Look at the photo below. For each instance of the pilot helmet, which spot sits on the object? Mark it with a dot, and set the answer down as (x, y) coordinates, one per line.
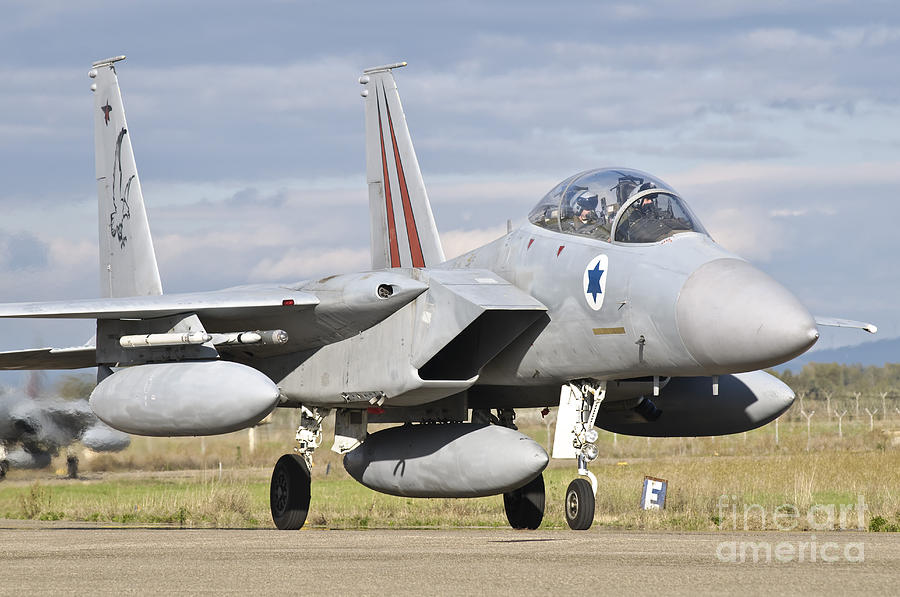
(645, 187)
(584, 202)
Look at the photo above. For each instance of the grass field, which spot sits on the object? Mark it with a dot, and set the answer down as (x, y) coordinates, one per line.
(223, 482)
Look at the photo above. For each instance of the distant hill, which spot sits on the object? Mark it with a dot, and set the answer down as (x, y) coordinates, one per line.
(870, 353)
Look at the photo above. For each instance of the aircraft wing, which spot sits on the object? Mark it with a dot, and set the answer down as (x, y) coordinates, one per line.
(245, 303)
(224, 304)
(308, 315)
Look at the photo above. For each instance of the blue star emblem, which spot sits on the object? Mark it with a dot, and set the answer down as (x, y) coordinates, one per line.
(593, 287)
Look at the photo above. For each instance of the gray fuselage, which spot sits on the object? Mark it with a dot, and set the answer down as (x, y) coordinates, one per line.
(638, 330)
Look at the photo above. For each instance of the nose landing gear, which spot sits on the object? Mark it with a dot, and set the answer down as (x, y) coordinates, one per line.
(575, 436)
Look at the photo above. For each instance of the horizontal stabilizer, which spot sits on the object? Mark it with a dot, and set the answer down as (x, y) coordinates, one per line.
(226, 304)
(78, 357)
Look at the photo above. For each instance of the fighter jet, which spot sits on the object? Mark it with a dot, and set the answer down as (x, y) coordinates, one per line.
(612, 301)
(33, 429)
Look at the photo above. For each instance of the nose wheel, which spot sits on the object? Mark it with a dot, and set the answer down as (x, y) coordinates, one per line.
(525, 506)
(580, 505)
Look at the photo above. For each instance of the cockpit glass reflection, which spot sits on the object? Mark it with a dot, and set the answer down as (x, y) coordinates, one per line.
(588, 204)
(652, 218)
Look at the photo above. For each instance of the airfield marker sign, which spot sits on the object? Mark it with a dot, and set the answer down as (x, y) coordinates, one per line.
(653, 496)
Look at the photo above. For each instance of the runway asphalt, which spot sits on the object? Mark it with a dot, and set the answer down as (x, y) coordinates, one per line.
(44, 558)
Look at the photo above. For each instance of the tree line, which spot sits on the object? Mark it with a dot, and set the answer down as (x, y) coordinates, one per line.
(818, 381)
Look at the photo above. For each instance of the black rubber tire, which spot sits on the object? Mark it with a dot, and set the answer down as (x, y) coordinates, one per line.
(579, 506)
(289, 492)
(525, 506)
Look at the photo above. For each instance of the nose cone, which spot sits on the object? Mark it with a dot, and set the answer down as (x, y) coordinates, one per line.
(732, 317)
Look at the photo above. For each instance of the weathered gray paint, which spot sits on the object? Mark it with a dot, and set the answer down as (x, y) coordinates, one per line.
(731, 314)
(643, 287)
(414, 334)
(450, 460)
(127, 259)
(745, 401)
(172, 399)
(386, 131)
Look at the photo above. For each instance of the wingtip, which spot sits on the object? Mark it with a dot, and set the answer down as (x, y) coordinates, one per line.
(846, 323)
(385, 67)
(107, 61)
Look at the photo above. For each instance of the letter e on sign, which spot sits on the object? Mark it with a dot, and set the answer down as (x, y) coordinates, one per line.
(653, 497)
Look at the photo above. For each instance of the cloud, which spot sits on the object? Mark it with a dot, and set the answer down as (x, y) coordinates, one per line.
(23, 251)
(775, 120)
(839, 39)
(750, 234)
(457, 242)
(72, 254)
(788, 213)
(298, 264)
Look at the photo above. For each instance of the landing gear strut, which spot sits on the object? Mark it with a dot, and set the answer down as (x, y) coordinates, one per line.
(289, 492)
(585, 399)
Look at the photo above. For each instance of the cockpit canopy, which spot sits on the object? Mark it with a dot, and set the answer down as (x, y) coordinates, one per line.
(627, 206)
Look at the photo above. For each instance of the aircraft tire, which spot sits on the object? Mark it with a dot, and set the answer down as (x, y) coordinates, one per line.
(525, 506)
(289, 492)
(579, 506)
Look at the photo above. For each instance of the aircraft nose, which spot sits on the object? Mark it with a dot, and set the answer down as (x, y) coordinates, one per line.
(732, 317)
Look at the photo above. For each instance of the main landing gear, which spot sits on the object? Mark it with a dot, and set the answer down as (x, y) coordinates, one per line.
(524, 506)
(289, 492)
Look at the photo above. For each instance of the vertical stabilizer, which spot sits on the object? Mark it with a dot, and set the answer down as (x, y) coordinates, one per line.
(402, 225)
(127, 260)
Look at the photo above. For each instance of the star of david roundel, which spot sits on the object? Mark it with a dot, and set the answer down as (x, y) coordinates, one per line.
(595, 281)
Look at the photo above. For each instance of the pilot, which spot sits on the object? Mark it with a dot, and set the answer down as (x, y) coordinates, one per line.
(641, 223)
(647, 202)
(584, 214)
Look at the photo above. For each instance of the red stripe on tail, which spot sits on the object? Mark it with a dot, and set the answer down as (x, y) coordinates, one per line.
(392, 229)
(415, 247)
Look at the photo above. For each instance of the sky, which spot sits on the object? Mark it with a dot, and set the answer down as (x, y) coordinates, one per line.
(776, 121)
